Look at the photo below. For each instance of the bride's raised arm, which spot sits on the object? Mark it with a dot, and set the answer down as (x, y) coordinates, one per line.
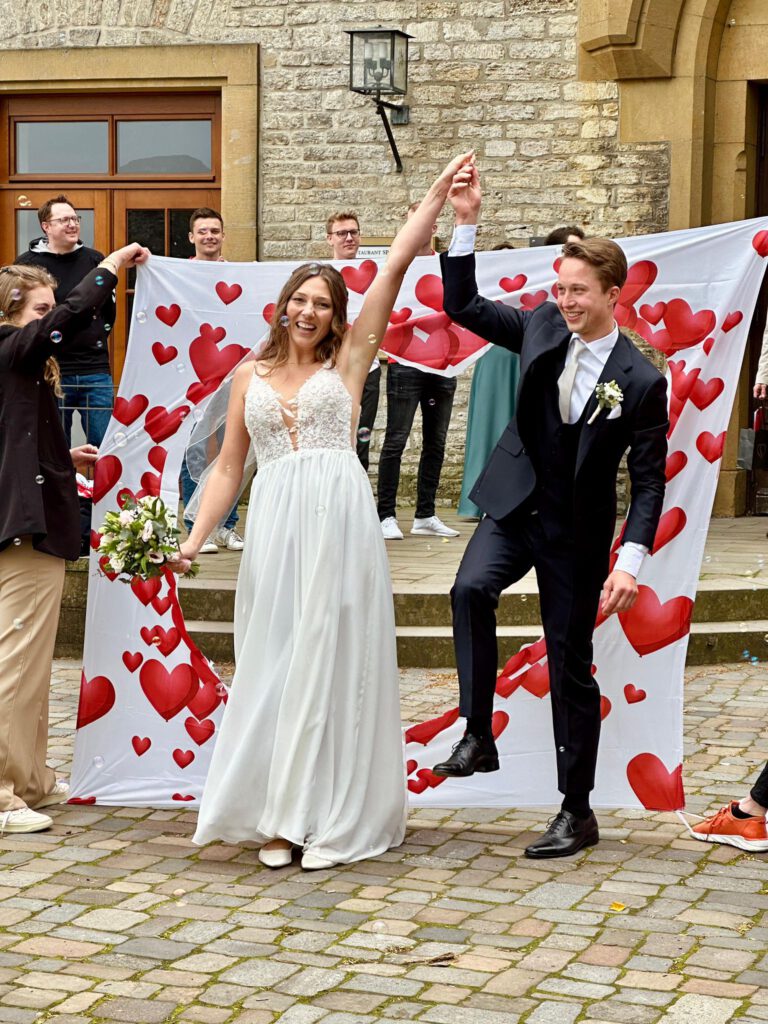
(369, 327)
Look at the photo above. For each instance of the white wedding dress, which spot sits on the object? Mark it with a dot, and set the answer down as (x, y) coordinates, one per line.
(310, 747)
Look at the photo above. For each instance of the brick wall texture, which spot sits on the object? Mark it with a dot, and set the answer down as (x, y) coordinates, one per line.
(498, 75)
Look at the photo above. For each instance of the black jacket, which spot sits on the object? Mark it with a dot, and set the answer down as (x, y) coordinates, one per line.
(88, 351)
(510, 477)
(32, 441)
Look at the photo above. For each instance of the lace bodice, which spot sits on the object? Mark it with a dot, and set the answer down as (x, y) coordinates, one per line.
(320, 416)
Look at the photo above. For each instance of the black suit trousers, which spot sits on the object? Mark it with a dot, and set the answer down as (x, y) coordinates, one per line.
(569, 580)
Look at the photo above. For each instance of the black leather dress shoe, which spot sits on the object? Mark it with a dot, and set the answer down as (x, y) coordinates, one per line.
(566, 835)
(471, 754)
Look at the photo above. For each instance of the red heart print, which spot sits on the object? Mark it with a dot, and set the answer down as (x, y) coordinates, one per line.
(150, 485)
(429, 292)
(670, 525)
(95, 540)
(676, 462)
(711, 446)
(411, 766)
(684, 327)
(200, 731)
(105, 571)
(197, 392)
(359, 279)
(82, 800)
(655, 787)
(123, 495)
(707, 346)
(268, 312)
(105, 475)
(210, 333)
(145, 590)
(653, 314)
(168, 314)
(126, 410)
(211, 363)
(167, 692)
(141, 744)
(417, 785)
(532, 301)
(732, 320)
(162, 604)
(499, 723)
(632, 695)
(682, 383)
(425, 732)
(97, 698)
(640, 277)
(428, 776)
(185, 797)
(160, 423)
(513, 284)
(228, 292)
(605, 708)
(166, 641)
(525, 656)
(650, 625)
(157, 457)
(556, 264)
(760, 243)
(132, 660)
(536, 680)
(183, 758)
(505, 687)
(399, 316)
(704, 393)
(205, 699)
(164, 353)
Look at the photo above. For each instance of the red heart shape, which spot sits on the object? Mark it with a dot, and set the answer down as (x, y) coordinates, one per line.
(732, 320)
(429, 292)
(536, 680)
(103, 563)
(197, 392)
(525, 656)
(268, 312)
(640, 277)
(123, 495)
(760, 243)
(499, 723)
(160, 423)
(676, 462)
(707, 346)
(711, 446)
(399, 316)
(150, 485)
(167, 692)
(106, 474)
(417, 785)
(228, 292)
(157, 457)
(162, 604)
(141, 744)
(705, 392)
(82, 800)
(532, 301)
(212, 363)
(205, 699)
(164, 353)
(200, 731)
(145, 590)
(655, 787)
(95, 540)
(632, 695)
(210, 333)
(513, 284)
(183, 758)
(684, 327)
(126, 410)
(425, 732)
(653, 314)
(132, 661)
(97, 698)
(670, 525)
(359, 279)
(683, 383)
(605, 708)
(168, 314)
(650, 625)
(411, 766)
(183, 796)
(166, 641)
(505, 687)
(428, 776)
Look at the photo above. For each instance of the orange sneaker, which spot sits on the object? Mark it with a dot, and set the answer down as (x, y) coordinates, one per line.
(723, 827)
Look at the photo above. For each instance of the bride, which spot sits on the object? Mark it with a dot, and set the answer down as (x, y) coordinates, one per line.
(309, 752)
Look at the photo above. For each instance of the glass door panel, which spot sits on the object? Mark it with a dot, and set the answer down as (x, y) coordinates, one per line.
(18, 207)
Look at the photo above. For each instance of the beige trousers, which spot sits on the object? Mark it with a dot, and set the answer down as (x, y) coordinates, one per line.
(31, 584)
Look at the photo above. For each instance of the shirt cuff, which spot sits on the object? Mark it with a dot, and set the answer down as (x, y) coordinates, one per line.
(463, 240)
(630, 558)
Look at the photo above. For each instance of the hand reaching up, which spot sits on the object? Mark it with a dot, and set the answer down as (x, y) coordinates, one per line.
(465, 195)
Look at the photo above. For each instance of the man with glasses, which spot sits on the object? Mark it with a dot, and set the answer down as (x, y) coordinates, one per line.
(342, 232)
(85, 374)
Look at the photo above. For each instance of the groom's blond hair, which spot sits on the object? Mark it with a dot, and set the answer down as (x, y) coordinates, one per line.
(607, 258)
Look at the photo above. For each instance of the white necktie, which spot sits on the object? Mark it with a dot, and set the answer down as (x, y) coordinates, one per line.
(566, 379)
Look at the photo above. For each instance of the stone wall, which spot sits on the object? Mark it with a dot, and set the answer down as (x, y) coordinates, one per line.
(496, 75)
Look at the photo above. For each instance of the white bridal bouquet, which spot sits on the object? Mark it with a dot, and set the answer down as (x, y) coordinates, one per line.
(139, 539)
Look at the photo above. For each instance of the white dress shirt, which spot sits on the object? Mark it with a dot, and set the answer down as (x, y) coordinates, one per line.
(591, 364)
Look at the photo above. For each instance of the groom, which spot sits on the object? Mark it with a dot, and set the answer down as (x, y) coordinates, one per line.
(549, 497)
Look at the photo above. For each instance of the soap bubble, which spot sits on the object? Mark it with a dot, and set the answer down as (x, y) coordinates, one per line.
(179, 892)
(17, 542)
(380, 926)
(55, 337)
(98, 762)
(320, 510)
(221, 690)
(39, 479)
(18, 623)
(24, 201)
(16, 294)
(431, 402)
(364, 435)
(99, 279)
(523, 597)
(313, 268)
(180, 367)
(141, 316)
(107, 328)
(372, 339)
(120, 439)
(284, 320)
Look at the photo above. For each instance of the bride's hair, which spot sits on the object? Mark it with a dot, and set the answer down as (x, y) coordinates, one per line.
(16, 282)
(275, 350)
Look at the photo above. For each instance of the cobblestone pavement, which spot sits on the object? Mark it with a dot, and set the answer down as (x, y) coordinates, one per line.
(113, 915)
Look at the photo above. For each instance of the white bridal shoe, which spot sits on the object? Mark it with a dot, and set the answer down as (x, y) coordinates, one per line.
(311, 862)
(276, 857)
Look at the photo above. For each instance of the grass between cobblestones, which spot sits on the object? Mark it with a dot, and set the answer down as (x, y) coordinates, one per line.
(115, 916)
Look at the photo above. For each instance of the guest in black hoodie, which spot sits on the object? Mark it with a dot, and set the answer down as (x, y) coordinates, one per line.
(86, 381)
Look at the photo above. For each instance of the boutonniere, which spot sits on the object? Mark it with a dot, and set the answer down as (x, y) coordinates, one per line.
(609, 396)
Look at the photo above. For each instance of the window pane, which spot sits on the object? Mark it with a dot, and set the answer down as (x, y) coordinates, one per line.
(164, 147)
(62, 147)
(147, 227)
(28, 227)
(181, 246)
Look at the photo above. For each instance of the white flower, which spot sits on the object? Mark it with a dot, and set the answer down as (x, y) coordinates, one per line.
(105, 540)
(156, 557)
(608, 395)
(116, 563)
(147, 532)
(125, 517)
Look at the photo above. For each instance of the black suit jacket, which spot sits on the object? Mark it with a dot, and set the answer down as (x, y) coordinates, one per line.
(510, 477)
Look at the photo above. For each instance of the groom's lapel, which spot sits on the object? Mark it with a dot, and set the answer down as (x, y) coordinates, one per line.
(618, 367)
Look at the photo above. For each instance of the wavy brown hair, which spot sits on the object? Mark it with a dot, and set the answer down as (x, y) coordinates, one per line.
(275, 350)
(16, 282)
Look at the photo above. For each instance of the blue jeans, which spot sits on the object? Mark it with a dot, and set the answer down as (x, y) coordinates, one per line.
(188, 486)
(91, 394)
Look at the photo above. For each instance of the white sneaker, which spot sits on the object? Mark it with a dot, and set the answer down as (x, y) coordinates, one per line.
(23, 820)
(432, 526)
(58, 795)
(210, 547)
(229, 539)
(390, 529)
